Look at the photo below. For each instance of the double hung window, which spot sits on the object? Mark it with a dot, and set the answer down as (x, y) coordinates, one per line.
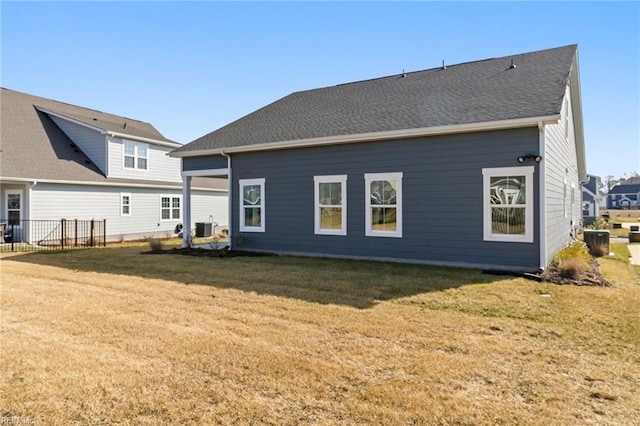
(169, 208)
(252, 205)
(330, 193)
(383, 199)
(135, 155)
(508, 204)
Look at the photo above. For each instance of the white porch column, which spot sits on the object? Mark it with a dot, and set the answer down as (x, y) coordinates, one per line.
(186, 220)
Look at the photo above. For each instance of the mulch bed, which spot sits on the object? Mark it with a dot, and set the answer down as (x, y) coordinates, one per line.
(592, 277)
(201, 252)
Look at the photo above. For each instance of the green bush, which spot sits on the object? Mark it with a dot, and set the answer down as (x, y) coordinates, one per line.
(573, 250)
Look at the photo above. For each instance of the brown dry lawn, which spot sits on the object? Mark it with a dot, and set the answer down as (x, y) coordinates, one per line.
(112, 336)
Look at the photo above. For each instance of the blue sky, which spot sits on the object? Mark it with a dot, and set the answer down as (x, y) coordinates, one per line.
(192, 67)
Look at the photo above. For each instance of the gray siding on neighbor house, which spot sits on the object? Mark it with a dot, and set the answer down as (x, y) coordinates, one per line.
(91, 142)
(562, 212)
(442, 198)
(206, 162)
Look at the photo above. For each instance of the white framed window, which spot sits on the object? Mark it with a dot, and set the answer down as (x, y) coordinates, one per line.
(14, 207)
(508, 204)
(383, 204)
(330, 205)
(169, 208)
(125, 204)
(252, 205)
(135, 155)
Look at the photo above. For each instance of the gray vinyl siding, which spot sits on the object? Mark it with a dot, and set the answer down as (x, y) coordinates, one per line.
(442, 198)
(91, 142)
(560, 158)
(206, 162)
(85, 202)
(160, 167)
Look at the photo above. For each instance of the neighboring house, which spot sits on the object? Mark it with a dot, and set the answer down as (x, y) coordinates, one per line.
(624, 196)
(478, 164)
(60, 161)
(593, 200)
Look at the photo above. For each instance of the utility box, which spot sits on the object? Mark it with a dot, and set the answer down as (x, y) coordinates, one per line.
(204, 229)
(597, 240)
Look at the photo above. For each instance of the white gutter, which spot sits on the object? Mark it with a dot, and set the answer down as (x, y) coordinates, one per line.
(116, 184)
(376, 136)
(542, 169)
(229, 207)
(140, 139)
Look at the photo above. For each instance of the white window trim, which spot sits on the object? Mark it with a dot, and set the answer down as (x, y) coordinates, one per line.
(171, 218)
(127, 194)
(368, 178)
(487, 174)
(21, 211)
(249, 182)
(317, 180)
(135, 156)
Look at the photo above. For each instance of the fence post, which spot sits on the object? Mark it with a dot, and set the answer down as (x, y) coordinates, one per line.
(62, 232)
(12, 236)
(75, 232)
(92, 237)
(104, 232)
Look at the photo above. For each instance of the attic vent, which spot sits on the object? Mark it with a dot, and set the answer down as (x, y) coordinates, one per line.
(443, 66)
(95, 119)
(512, 66)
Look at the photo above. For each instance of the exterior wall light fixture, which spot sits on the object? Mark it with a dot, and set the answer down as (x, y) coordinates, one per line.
(533, 157)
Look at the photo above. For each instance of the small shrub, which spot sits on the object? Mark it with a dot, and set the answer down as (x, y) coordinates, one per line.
(573, 250)
(599, 250)
(155, 244)
(571, 268)
(600, 223)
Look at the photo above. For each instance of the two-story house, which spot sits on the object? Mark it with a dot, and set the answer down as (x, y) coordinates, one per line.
(61, 161)
(592, 199)
(624, 196)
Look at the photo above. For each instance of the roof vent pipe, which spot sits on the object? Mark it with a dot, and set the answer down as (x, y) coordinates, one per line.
(443, 66)
(403, 73)
(512, 66)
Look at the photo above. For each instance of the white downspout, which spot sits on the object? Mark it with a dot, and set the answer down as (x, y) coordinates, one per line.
(542, 197)
(30, 222)
(186, 199)
(229, 180)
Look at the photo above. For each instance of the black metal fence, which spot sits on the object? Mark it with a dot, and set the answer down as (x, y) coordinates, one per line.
(32, 235)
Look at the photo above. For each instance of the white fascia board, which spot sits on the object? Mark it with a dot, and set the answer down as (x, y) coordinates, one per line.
(177, 185)
(578, 125)
(377, 136)
(141, 139)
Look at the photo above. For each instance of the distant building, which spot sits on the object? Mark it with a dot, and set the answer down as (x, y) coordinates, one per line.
(593, 200)
(624, 196)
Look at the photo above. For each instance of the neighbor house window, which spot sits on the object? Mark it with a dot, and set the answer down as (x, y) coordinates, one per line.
(330, 195)
(14, 207)
(125, 204)
(169, 208)
(135, 155)
(383, 204)
(508, 204)
(252, 205)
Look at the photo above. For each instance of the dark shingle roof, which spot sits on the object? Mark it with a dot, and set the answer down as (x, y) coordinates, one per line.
(633, 188)
(33, 147)
(474, 92)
